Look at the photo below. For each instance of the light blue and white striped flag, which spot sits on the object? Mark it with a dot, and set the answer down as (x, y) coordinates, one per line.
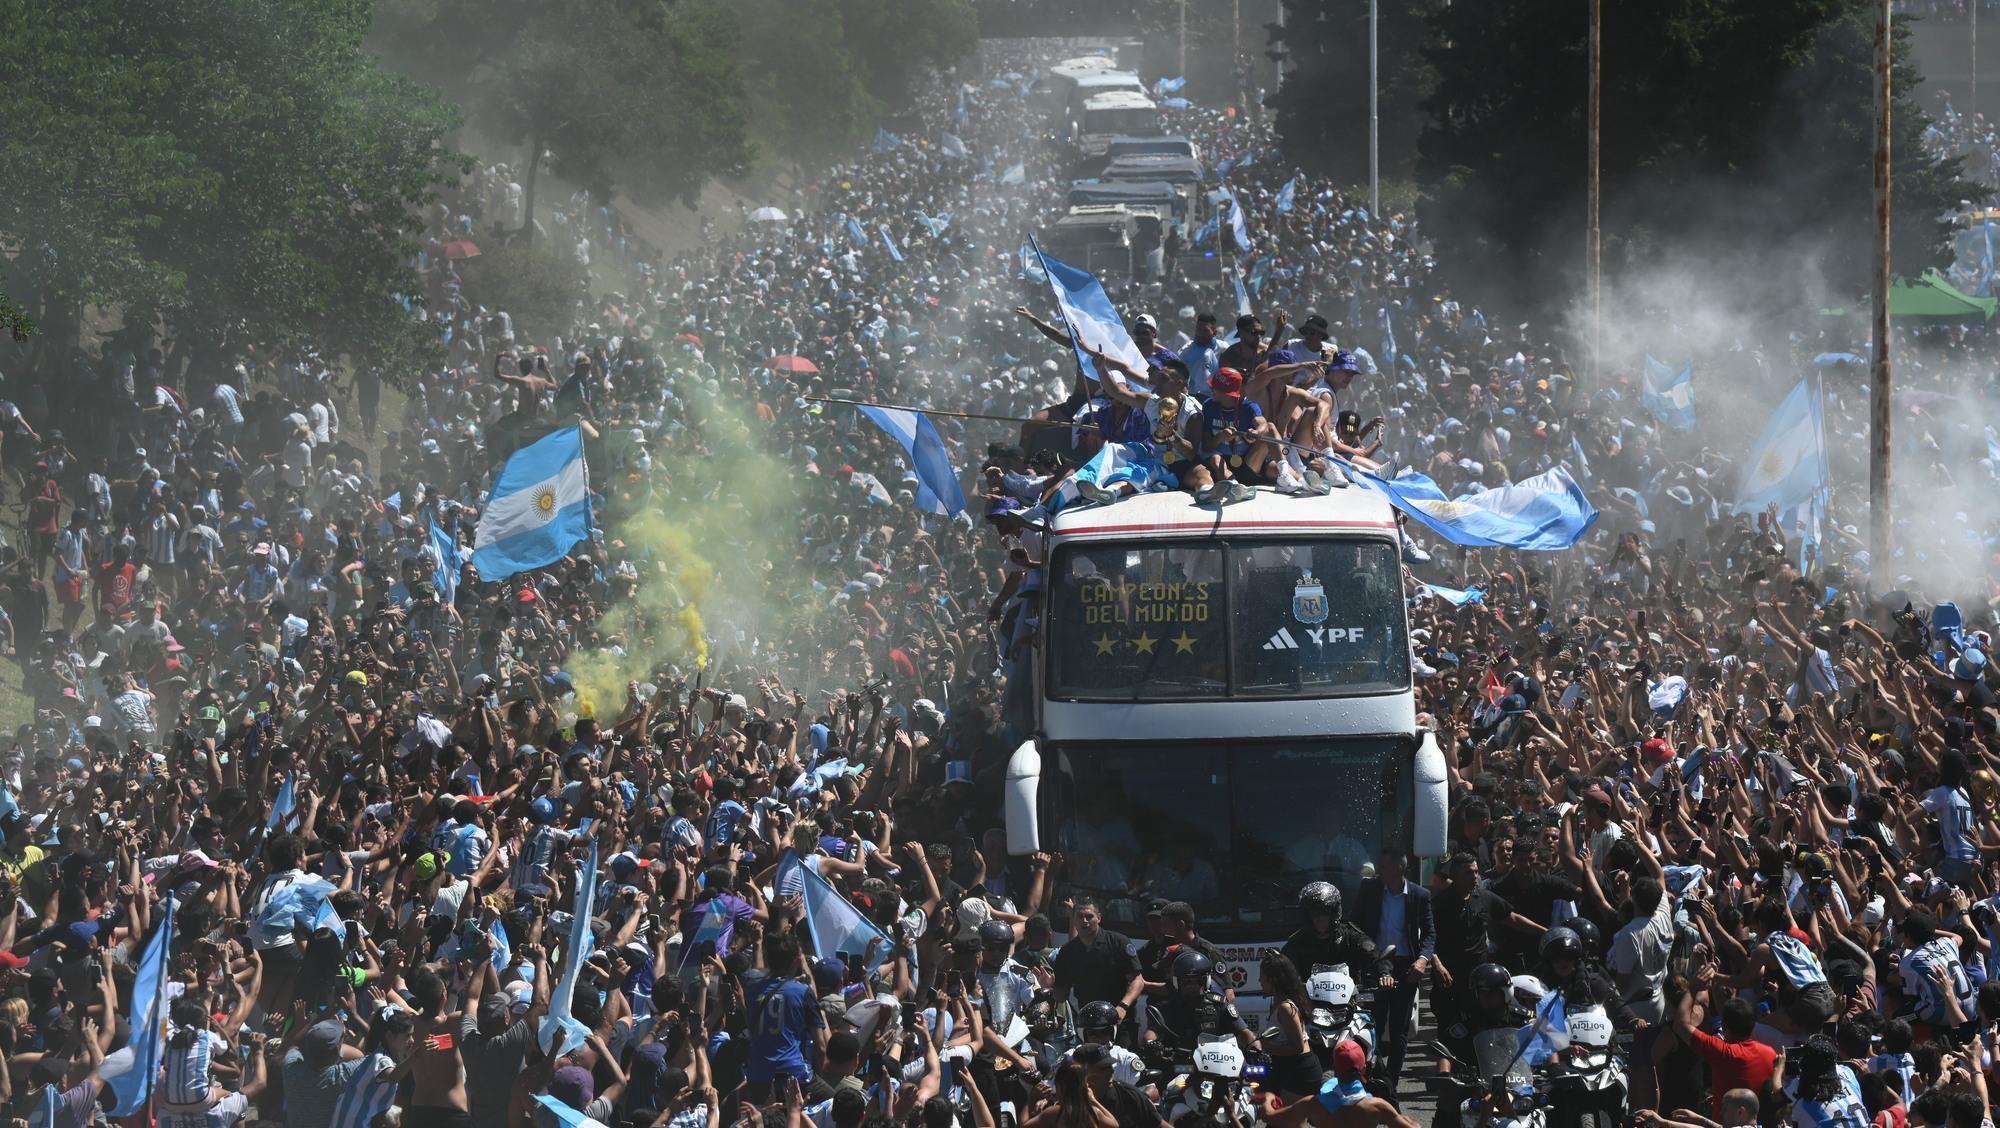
(450, 563)
(560, 1033)
(1088, 313)
(837, 927)
(539, 507)
(286, 802)
(1287, 195)
(503, 948)
(1788, 463)
(938, 490)
(1669, 394)
(130, 1072)
(1545, 512)
(888, 242)
(1548, 1034)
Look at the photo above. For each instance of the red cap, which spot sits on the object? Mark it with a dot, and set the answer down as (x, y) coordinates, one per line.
(1350, 1060)
(1657, 750)
(1226, 382)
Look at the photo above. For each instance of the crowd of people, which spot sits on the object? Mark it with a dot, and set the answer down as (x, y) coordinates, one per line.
(447, 849)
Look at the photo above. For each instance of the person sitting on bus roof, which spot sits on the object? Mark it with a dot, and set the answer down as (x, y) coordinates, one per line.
(1238, 445)
(1155, 429)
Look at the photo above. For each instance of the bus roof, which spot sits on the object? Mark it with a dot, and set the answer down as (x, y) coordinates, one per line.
(1355, 510)
(1118, 100)
(1110, 80)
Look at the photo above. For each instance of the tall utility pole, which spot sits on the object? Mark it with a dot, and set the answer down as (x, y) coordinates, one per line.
(1595, 249)
(1973, 107)
(1880, 542)
(1374, 114)
(1236, 58)
(1182, 72)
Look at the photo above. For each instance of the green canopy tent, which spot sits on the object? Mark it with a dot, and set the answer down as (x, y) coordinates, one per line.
(1930, 298)
(1934, 299)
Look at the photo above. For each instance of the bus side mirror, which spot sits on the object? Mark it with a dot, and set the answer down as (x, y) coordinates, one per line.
(1433, 800)
(1024, 785)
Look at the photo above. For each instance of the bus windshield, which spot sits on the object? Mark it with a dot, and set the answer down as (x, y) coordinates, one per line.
(1235, 829)
(1163, 621)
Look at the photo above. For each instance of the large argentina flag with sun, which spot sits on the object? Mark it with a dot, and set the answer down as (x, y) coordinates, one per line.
(539, 507)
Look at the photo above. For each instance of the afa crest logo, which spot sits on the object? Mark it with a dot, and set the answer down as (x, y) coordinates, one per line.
(1309, 600)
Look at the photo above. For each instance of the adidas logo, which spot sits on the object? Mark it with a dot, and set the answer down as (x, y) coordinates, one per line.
(1283, 640)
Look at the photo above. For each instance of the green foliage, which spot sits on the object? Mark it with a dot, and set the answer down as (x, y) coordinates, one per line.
(641, 94)
(1737, 135)
(1322, 105)
(241, 167)
(657, 96)
(14, 320)
(536, 285)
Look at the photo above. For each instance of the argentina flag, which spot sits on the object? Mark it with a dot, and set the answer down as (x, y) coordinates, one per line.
(539, 507)
(1545, 512)
(1089, 314)
(130, 1072)
(1787, 466)
(1669, 394)
(938, 490)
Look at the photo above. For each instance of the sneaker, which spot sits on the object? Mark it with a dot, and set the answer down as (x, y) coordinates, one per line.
(1093, 492)
(1208, 494)
(1237, 491)
(1290, 481)
(1316, 485)
(1335, 478)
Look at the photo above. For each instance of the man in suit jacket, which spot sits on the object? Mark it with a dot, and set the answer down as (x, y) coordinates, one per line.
(1395, 912)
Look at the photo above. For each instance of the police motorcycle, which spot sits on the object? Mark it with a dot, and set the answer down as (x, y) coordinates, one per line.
(1484, 1050)
(1585, 1080)
(1338, 1014)
(1497, 1089)
(1586, 1072)
(1220, 1077)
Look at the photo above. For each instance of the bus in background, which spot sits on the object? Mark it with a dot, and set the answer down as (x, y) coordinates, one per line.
(1115, 114)
(1225, 712)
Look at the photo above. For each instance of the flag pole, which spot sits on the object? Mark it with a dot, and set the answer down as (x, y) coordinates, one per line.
(1880, 541)
(955, 414)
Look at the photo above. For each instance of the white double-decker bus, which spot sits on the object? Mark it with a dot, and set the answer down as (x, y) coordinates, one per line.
(1225, 710)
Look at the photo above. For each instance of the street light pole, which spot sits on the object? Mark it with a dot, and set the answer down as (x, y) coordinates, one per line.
(1374, 109)
(1595, 249)
(1880, 540)
(1182, 72)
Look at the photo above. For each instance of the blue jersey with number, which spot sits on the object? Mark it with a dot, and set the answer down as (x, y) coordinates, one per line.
(784, 1017)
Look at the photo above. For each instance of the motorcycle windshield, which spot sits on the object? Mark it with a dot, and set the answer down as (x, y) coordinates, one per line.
(1499, 1052)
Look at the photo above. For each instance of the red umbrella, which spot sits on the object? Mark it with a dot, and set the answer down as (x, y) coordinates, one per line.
(461, 249)
(794, 364)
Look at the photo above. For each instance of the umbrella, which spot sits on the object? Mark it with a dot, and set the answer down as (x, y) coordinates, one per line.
(768, 215)
(794, 364)
(461, 249)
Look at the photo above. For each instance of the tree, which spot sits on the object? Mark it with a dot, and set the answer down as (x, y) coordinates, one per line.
(1735, 135)
(239, 168)
(1322, 105)
(639, 93)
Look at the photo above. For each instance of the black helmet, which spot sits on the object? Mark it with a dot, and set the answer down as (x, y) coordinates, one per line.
(996, 934)
(1320, 897)
(1491, 977)
(1099, 1015)
(1587, 931)
(1561, 944)
(1190, 964)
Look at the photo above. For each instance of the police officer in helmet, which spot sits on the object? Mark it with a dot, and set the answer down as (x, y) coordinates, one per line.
(1193, 1010)
(1569, 964)
(1490, 1005)
(1325, 939)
